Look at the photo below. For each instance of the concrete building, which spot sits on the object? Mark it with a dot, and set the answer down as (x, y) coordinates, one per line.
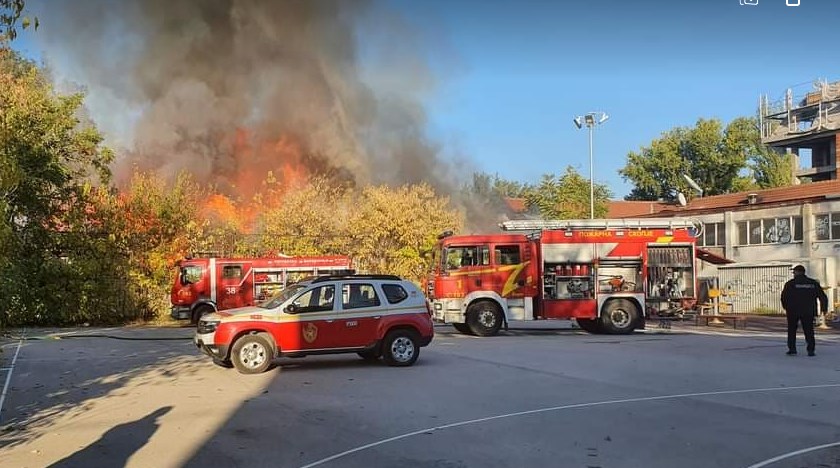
(805, 122)
(764, 233)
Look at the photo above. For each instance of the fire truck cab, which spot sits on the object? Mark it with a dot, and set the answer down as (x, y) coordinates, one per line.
(205, 285)
(607, 274)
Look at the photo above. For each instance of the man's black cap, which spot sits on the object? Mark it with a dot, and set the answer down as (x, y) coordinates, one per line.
(798, 269)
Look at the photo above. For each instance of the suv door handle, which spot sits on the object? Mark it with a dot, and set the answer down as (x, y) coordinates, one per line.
(330, 321)
(377, 317)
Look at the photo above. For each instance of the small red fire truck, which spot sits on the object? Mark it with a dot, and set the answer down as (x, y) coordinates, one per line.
(608, 274)
(205, 285)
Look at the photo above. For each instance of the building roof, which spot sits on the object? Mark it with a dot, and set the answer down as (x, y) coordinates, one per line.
(632, 209)
(780, 196)
(516, 205)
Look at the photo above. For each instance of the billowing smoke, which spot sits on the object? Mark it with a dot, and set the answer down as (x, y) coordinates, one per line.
(229, 89)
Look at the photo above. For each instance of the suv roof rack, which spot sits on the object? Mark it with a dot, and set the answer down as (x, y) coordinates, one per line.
(322, 279)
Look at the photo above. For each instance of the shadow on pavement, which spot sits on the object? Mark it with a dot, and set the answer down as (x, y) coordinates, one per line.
(117, 445)
(57, 380)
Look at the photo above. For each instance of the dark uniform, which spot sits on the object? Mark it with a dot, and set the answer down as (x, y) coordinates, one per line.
(799, 298)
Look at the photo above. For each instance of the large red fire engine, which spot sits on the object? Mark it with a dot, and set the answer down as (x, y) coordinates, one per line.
(204, 285)
(608, 274)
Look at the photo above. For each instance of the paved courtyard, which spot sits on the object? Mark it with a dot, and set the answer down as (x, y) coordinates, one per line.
(687, 397)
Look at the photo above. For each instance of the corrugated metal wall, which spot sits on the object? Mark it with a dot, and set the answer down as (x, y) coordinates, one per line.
(753, 289)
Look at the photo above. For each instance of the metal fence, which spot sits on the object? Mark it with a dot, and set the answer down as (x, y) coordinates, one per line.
(753, 289)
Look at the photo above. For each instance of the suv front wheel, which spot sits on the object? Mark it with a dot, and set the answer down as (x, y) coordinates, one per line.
(400, 348)
(252, 354)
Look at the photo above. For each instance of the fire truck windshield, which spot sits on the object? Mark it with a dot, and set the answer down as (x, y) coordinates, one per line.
(282, 296)
(190, 274)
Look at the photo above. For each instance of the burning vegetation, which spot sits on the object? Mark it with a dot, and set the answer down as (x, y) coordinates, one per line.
(238, 127)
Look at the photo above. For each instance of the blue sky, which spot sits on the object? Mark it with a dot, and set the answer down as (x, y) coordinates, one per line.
(516, 73)
(510, 76)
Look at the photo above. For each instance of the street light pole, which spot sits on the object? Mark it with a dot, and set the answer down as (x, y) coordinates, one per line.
(591, 180)
(590, 121)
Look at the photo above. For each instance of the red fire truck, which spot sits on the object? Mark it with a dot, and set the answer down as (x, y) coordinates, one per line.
(607, 274)
(204, 285)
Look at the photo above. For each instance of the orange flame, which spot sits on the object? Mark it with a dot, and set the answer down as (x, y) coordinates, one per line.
(264, 172)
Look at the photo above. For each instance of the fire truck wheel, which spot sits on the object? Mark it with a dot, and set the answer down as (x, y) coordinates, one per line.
(484, 318)
(619, 316)
(463, 328)
(400, 348)
(201, 311)
(252, 354)
(591, 326)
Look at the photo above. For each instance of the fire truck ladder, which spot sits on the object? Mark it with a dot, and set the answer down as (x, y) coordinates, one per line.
(605, 224)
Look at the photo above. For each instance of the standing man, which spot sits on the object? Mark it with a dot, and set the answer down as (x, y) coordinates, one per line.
(799, 299)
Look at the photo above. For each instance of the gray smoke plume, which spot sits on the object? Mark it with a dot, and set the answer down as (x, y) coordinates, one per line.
(232, 89)
(229, 89)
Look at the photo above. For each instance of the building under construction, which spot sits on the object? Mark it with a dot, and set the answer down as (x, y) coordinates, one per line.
(805, 119)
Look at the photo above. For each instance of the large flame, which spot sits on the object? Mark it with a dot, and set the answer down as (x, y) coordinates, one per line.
(263, 173)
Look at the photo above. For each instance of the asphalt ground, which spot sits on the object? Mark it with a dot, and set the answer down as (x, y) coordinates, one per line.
(686, 396)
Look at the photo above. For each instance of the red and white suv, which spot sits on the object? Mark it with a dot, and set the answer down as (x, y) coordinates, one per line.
(372, 315)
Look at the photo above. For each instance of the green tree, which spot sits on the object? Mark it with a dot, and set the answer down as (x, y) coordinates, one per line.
(489, 186)
(309, 220)
(566, 196)
(50, 161)
(11, 11)
(772, 169)
(394, 229)
(721, 160)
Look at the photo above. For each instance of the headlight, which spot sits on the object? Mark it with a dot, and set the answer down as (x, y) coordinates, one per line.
(207, 326)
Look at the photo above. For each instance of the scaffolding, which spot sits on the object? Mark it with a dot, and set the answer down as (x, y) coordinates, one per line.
(801, 112)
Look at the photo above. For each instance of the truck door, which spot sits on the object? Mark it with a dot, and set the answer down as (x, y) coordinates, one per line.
(468, 267)
(508, 277)
(235, 286)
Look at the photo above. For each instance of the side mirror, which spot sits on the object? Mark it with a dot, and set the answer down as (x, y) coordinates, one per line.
(291, 309)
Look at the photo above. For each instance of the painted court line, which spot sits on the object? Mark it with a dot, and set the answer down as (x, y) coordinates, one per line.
(794, 454)
(11, 369)
(559, 408)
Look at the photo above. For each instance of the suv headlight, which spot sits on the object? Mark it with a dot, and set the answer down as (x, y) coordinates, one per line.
(207, 326)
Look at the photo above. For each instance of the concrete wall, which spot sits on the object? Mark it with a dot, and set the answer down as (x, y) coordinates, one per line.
(819, 257)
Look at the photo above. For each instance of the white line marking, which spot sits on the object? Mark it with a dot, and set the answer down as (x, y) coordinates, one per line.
(558, 408)
(9, 375)
(793, 454)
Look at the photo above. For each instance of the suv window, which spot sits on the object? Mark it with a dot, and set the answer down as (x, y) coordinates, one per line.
(358, 295)
(394, 293)
(320, 299)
